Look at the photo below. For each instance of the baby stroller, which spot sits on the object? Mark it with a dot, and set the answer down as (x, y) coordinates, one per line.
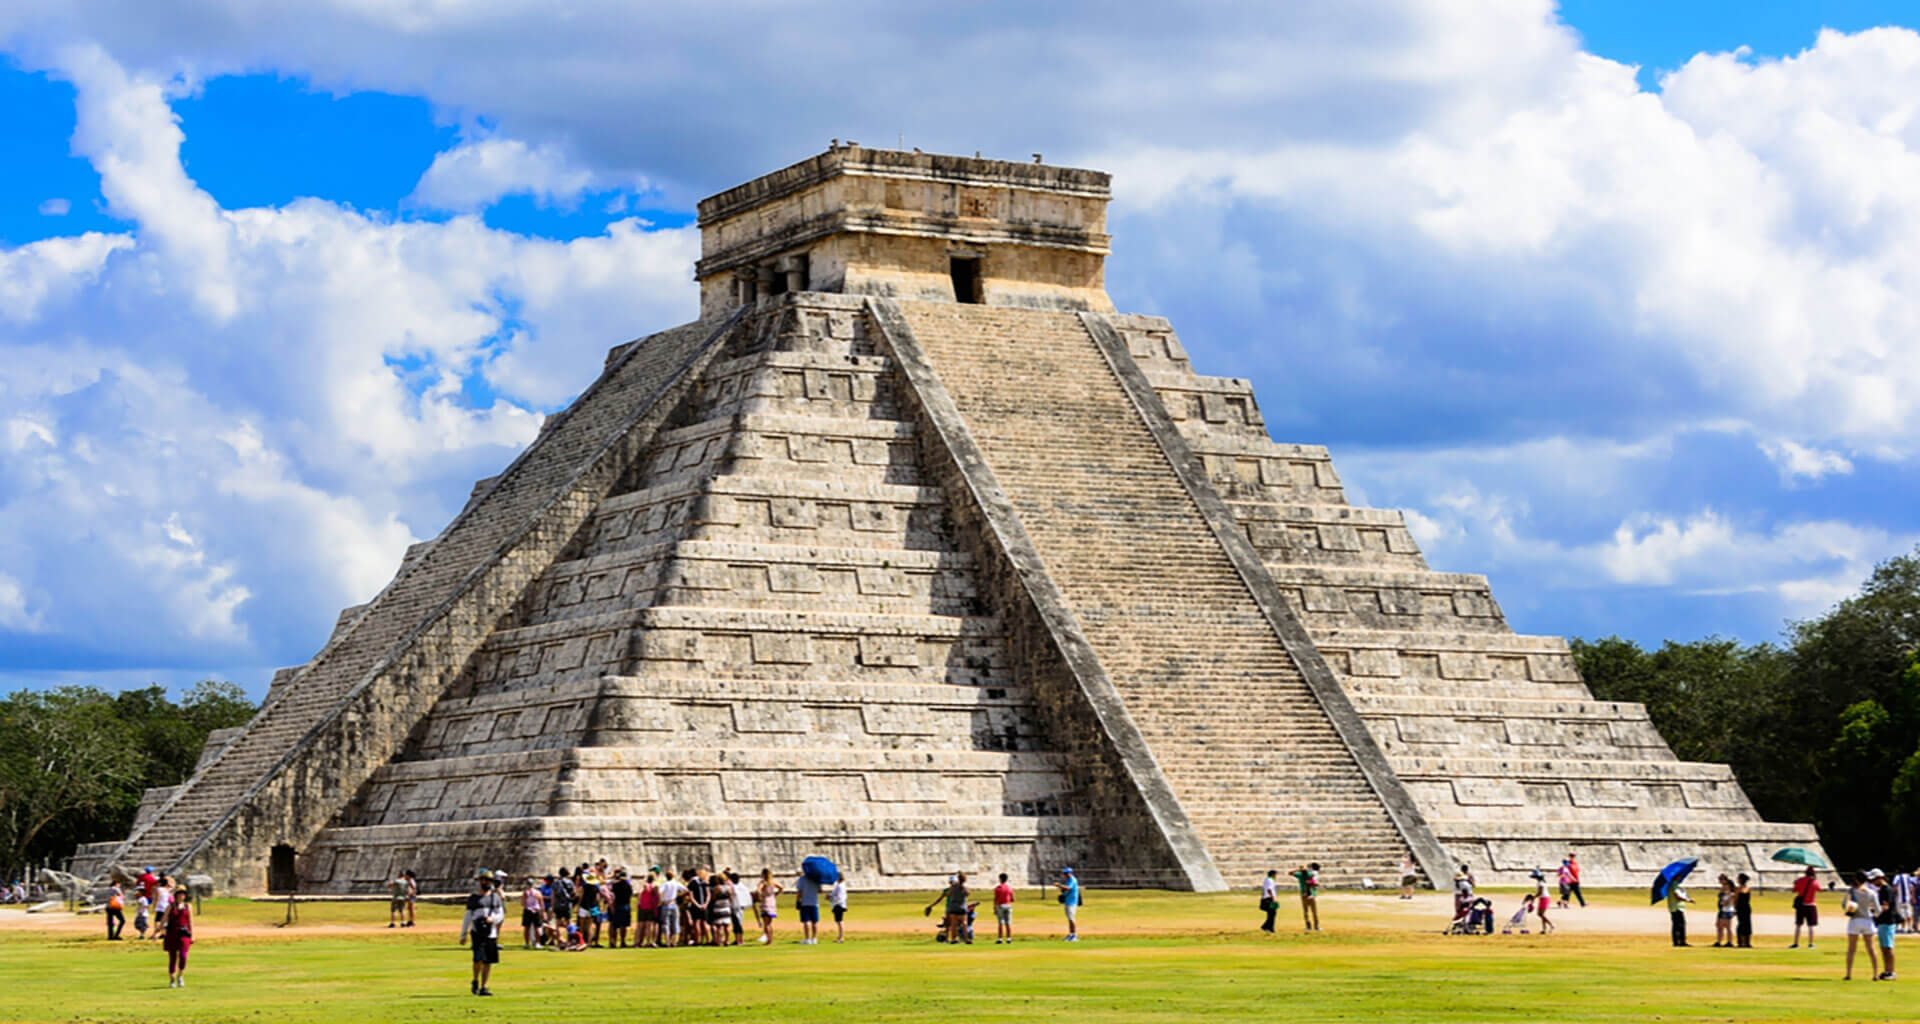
(1475, 918)
(1519, 918)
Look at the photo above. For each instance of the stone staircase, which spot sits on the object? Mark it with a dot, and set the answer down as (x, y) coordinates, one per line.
(1511, 760)
(348, 711)
(768, 642)
(1245, 745)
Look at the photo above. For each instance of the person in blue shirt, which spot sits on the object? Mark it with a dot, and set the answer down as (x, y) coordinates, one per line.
(1070, 902)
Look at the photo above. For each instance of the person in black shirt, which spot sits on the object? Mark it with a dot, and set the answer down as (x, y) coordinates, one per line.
(620, 915)
(1743, 912)
(700, 896)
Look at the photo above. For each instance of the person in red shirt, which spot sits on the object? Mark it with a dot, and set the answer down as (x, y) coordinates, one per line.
(178, 930)
(148, 880)
(1003, 911)
(1806, 907)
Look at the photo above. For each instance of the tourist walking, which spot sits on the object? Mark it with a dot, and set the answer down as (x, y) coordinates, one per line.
(1409, 879)
(807, 899)
(1309, 879)
(484, 916)
(1070, 902)
(1677, 899)
(954, 924)
(1723, 914)
(1003, 911)
(1573, 878)
(413, 896)
(1743, 912)
(1270, 899)
(766, 904)
(1861, 906)
(176, 925)
(837, 898)
(140, 916)
(1806, 907)
(1541, 901)
(1884, 922)
(116, 912)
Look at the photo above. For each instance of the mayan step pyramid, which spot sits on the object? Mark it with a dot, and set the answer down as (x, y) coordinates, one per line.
(913, 552)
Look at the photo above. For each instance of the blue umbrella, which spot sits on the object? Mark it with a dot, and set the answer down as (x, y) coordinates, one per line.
(821, 870)
(1672, 875)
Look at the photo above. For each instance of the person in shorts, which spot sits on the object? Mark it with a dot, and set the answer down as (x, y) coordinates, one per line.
(647, 913)
(1409, 879)
(485, 912)
(1070, 902)
(1885, 922)
(1806, 907)
(620, 914)
(533, 907)
(397, 899)
(719, 909)
(1862, 905)
(807, 900)
(1003, 911)
(837, 899)
(766, 904)
(1906, 899)
(953, 920)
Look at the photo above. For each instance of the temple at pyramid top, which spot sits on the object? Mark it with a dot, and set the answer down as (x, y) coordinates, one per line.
(909, 225)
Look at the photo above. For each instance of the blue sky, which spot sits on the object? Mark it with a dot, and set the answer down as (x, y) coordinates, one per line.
(1618, 315)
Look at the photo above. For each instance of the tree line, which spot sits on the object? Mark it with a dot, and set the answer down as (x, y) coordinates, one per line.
(74, 760)
(1822, 726)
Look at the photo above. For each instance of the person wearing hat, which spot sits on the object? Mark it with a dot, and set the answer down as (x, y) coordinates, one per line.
(1070, 902)
(1884, 922)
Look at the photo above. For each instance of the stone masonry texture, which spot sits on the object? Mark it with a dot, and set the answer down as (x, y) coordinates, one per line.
(913, 553)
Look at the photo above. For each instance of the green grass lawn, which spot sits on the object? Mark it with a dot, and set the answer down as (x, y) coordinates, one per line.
(1147, 957)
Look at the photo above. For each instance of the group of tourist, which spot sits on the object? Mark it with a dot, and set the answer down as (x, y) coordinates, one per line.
(1307, 878)
(598, 906)
(956, 923)
(1876, 906)
(171, 922)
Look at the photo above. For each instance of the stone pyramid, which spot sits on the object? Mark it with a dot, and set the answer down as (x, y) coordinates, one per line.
(911, 551)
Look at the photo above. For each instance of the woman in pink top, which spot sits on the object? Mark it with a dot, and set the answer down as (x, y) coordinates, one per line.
(178, 929)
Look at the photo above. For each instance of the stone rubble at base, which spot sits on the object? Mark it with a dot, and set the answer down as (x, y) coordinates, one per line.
(913, 553)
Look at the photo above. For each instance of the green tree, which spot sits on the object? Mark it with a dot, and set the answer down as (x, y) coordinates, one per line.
(62, 754)
(74, 761)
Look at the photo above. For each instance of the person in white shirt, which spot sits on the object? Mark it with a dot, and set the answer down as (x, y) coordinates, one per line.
(837, 897)
(670, 890)
(1270, 898)
(1409, 877)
